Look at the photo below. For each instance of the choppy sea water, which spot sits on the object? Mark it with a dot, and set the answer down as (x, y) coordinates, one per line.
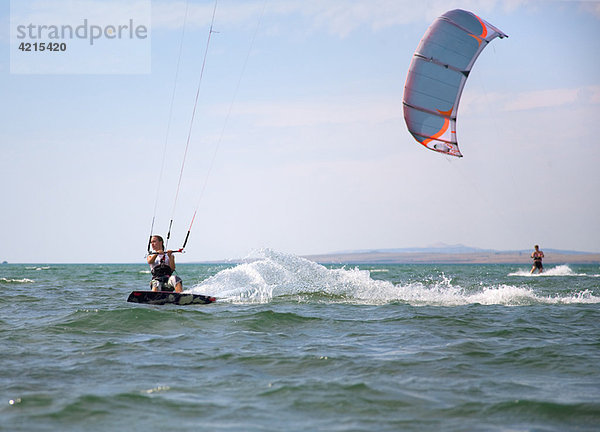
(296, 346)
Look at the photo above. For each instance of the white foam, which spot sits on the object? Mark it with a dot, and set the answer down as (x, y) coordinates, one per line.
(23, 280)
(560, 270)
(268, 274)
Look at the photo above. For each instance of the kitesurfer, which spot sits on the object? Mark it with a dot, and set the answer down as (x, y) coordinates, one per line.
(537, 256)
(162, 265)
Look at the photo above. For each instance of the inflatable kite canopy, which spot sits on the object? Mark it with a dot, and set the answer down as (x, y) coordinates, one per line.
(437, 75)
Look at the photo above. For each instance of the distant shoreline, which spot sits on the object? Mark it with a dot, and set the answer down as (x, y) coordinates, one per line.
(383, 257)
(451, 258)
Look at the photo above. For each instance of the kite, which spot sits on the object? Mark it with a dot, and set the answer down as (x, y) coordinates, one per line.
(437, 75)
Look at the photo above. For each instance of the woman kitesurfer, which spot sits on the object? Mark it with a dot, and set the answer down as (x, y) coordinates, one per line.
(537, 256)
(162, 265)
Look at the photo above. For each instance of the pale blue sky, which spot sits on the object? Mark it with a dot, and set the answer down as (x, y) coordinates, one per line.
(315, 156)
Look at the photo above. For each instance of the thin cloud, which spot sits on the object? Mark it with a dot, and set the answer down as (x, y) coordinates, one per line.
(592, 7)
(172, 14)
(57, 12)
(554, 98)
(337, 17)
(477, 101)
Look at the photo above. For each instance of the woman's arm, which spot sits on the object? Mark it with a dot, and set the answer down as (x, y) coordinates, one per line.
(151, 258)
(171, 259)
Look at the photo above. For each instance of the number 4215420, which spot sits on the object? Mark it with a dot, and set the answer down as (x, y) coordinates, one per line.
(43, 46)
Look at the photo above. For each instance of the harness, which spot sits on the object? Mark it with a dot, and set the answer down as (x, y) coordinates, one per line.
(161, 271)
(161, 274)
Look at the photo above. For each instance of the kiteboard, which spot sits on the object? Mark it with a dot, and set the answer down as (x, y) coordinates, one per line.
(168, 297)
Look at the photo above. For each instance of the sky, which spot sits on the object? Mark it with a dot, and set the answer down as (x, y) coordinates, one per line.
(298, 143)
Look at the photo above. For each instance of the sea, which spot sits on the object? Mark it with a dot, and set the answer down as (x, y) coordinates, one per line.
(292, 345)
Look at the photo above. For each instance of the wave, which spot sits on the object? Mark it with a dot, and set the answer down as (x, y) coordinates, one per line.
(22, 280)
(38, 268)
(130, 320)
(560, 270)
(269, 275)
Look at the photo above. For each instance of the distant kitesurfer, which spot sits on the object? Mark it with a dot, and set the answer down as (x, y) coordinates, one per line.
(162, 265)
(537, 256)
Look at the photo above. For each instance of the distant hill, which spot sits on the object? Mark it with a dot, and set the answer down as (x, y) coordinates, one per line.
(442, 253)
(436, 248)
(453, 249)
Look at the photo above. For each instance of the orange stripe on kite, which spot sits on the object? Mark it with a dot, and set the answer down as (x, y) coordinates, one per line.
(442, 131)
(484, 31)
